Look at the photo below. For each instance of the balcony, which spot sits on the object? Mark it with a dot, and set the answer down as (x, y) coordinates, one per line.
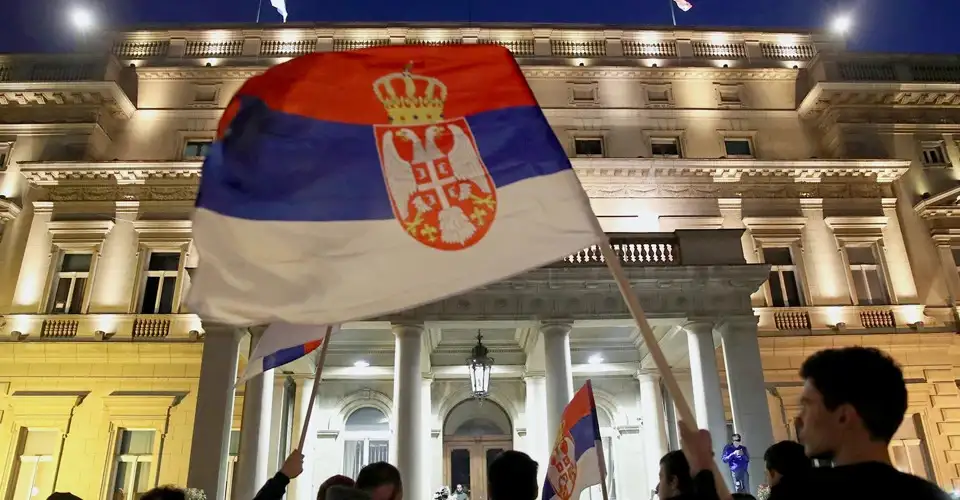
(853, 319)
(643, 255)
(76, 79)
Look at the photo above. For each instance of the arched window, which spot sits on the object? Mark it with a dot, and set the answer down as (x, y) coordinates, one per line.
(608, 436)
(366, 435)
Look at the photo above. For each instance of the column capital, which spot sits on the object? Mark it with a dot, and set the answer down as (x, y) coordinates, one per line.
(403, 329)
(735, 324)
(647, 375)
(531, 375)
(556, 327)
(699, 326)
(213, 328)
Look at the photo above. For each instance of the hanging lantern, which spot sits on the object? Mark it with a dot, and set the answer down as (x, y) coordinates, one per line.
(479, 365)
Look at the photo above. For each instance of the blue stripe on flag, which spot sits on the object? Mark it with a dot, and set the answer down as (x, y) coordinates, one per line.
(283, 167)
(583, 438)
(283, 356)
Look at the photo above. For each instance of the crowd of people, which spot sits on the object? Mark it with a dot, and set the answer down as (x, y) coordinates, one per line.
(853, 401)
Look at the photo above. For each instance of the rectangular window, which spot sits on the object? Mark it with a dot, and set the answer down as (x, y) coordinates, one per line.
(659, 96)
(133, 460)
(665, 148)
(784, 288)
(358, 453)
(592, 146)
(933, 153)
(196, 149)
(232, 458)
(35, 466)
(160, 286)
(70, 284)
(867, 277)
(729, 95)
(738, 147)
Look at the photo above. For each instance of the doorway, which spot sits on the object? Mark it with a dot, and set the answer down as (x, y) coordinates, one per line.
(474, 434)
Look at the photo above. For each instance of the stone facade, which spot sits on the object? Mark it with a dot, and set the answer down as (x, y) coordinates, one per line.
(770, 193)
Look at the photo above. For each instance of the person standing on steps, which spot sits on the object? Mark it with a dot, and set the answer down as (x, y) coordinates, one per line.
(737, 457)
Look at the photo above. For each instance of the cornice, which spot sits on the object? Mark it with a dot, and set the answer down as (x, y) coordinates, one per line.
(200, 73)
(67, 93)
(828, 95)
(588, 169)
(9, 210)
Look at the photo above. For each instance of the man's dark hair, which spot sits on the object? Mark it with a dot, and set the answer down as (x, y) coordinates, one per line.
(735, 437)
(337, 480)
(378, 474)
(787, 458)
(512, 476)
(675, 465)
(864, 378)
(165, 493)
(62, 496)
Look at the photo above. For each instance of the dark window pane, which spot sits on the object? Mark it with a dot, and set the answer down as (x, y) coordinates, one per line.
(877, 291)
(738, 147)
(136, 443)
(776, 292)
(665, 148)
(76, 263)
(166, 295)
(59, 305)
(777, 256)
(150, 291)
(164, 261)
(592, 147)
(234, 443)
(860, 285)
(194, 149)
(792, 287)
(76, 302)
(861, 255)
(460, 469)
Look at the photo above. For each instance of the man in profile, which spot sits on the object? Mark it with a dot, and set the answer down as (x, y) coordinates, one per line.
(786, 459)
(853, 401)
(512, 476)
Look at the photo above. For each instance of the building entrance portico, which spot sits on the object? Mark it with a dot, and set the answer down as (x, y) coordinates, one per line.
(474, 434)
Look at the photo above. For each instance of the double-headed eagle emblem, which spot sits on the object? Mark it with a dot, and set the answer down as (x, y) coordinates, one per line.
(441, 191)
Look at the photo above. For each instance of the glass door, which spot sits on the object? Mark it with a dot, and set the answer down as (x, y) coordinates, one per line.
(466, 461)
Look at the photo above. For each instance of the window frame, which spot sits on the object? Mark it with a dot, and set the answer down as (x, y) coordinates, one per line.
(20, 437)
(144, 274)
(878, 266)
(667, 139)
(665, 88)
(747, 140)
(794, 249)
(781, 232)
(384, 435)
(939, 148)
(864, 231)
(57, 275)
(73, 237)
(116, 459)
(737, 89)
(580, 138)
(163, 236)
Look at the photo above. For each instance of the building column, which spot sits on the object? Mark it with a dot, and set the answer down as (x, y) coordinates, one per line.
(426, 414)
(654, 423)
(748, 394)
(535, 410)
(252, 463)
(559, 380)
(302, 488)
(408, 409)
(707, 398)
(214, 415)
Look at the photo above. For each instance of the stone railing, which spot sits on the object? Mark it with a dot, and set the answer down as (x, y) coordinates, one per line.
(535, 41)
(101, 327)
(53, 76)
(887, 68)
(642, 249)
(849, 319)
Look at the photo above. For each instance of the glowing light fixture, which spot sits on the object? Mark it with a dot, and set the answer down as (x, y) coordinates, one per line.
(82, 19)
(842, 24)
(479, 365)
(361, 364)
(596, 359)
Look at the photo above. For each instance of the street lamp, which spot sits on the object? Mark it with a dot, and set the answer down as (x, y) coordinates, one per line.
(479, 365)
(841, 24)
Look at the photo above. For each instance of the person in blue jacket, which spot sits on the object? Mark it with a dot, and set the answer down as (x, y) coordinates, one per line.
(737, 457)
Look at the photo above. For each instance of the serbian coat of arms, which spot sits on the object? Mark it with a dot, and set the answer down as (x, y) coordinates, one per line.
(442, 193)
(562, 473)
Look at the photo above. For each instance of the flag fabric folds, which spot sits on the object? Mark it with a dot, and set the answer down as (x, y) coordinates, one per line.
(576, 462)
(684, 5)
(281, 6)
(283, 343)
(348, 185)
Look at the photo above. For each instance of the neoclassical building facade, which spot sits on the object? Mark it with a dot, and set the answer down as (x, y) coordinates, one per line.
(771, 194)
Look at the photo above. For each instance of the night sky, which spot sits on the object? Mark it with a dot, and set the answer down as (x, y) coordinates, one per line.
(881, 25)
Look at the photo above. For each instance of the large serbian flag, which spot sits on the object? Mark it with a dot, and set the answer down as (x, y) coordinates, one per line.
(577, 459)
(283, 343)
(347, 185)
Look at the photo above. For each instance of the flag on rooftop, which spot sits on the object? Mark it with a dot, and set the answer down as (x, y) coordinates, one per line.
(577, 459)
(348, 185)
(283, 343)
(683, 5)
(281, 6)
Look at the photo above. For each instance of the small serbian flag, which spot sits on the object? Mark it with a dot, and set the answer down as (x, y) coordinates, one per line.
(348, 185)
(577, 459)
(684, 5)
(283, 343)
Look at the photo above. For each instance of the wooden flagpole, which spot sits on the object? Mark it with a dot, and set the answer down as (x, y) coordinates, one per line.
(316, 387)
(636, 310)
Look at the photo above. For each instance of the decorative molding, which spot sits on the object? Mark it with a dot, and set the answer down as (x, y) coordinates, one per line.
(68, 93)
(857, 228)
(30, 406)
(79, 231)
(126, 405)
(164, 231)
(9, 210)
(773, 230)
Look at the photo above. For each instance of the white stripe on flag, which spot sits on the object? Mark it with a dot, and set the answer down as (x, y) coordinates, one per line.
(281, 6)
(684, 5)
(280, 336)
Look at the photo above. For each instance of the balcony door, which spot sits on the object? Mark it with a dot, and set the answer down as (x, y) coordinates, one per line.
(474, 435)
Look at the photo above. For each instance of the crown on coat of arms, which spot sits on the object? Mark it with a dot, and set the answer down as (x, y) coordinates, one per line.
(411, 99)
